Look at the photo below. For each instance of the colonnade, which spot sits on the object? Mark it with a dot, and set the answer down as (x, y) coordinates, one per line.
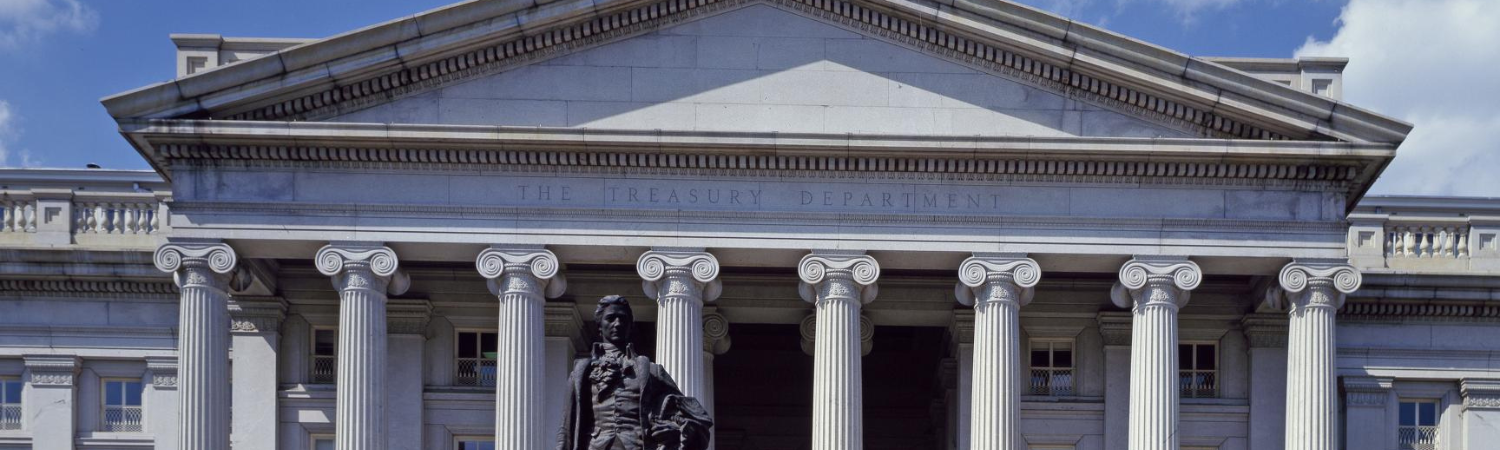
(681, 280)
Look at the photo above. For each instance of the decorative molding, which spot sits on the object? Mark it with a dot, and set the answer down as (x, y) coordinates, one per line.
(838, 274)
(1326, 177)
(1174, 273)
(1323, 282)
(1266, 330)
(809, 330)
(561, 319)
(163, 371)
(111, 288)
(962, 328)
(530, 270)
(407, 316)
(1369, 392)
(667, 271)
(51, 370)
(1114, 328)
(997, 277)
(920, 35)
(1399, 312)
(716, 340)
(256, 315)
(1481, 393)
(362, 265)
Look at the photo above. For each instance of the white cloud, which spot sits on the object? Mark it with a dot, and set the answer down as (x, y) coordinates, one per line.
(8, 131)
(24, 22)
(1431, 63)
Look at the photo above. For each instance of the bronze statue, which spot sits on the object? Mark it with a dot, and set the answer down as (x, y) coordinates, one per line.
(622, 401)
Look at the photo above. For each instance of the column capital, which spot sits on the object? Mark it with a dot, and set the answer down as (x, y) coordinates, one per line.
(837, 274)
(352, 264)
(163, 371)
(809, 329)
(716, 339)
(505, 267)
(407, 316)
(997, 278)
(194, 263)
(1301, 279)
(1370, 392)
(666, 269)
(1176, 275)
(1481, 393)
(253, 316)
(51, 370)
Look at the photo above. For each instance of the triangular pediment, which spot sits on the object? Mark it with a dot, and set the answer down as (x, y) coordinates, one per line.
(766, 69)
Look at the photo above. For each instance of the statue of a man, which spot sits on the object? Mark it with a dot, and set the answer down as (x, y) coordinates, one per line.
(618, 400)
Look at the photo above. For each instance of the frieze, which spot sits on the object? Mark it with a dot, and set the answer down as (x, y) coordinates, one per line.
(1367, 391)
(51, 370)
(163, 372)
(1481, 393)
(898, 30)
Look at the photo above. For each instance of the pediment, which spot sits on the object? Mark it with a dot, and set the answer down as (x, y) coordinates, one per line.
(764, 69)
(455, 46)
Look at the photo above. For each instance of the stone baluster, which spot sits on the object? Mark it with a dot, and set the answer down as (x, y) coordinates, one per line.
(838, 283)
(716, 342)
(521, 278)
(202, 272)
(364, 274)
(1312, 291)
(680, 280)
(29, 216)
(1154, 288)
(997, 286)
(7, 217)
(1463, 242)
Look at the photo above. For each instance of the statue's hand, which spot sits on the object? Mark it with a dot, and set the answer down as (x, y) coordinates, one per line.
(666, 433)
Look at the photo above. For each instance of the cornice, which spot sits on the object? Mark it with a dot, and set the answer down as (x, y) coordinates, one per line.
(163, 371)
(1369, 392)
(407, 316)
(1481, 393)
(561, 319)
(51, 370)
(256, 315)
(1391, 312)
(1085, 62)
(113, 289)
(1267, 330)
(1114, 327)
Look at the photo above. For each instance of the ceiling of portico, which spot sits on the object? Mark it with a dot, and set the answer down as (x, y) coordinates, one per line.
(761, 68)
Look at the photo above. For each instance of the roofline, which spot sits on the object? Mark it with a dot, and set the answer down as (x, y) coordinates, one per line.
(346, 58)
(10, 176)
(1428, 203)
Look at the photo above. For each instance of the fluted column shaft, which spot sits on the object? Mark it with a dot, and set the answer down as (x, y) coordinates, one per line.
(202, 274)
(680, 281)
(838, 285)
(363, 275)
(1313, 292)
(1154, 288)
(997, 287)
(716, 341)
(521, 279)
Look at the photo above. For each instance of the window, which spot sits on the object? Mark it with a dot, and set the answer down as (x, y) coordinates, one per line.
(325, 360)
(1322, 87)
(122, 405)
(10, 404)
(474, 443)
(1051, 367)
(476, 359)
(1198, 367)
(322, 443)
(1418, 425)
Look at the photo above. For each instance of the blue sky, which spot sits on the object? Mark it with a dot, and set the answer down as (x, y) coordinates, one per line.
(59, 57)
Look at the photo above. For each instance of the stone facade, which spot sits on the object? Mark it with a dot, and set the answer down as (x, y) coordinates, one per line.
(965, 226)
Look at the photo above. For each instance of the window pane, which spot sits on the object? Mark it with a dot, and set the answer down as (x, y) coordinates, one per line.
(1427, 414)
(112, 393)
(476, 445)
(323, 444)
(1039, 356)
(1062, 358)
(468, 345)
(324, 342)
(488, 344)
(1206, 357)
(1185, 357)
(133, 394)
(1408, 414)
(12, 391)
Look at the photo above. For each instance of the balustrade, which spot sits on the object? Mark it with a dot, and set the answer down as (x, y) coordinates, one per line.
(122, 419)
(17, 215)
(116, 217)
(1427, 241)
(10, 416)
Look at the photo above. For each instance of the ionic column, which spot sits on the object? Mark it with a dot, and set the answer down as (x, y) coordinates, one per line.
(680, 281)
(363, 274)
(202, 272)
(997, 286)
(521, 278)
(1312, 291)
(715, 342)
(1154, 288)
(838, 284)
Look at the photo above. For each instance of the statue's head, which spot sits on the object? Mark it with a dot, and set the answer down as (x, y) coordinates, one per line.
(616, 321)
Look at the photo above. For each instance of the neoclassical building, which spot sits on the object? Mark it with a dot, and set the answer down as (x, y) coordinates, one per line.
(843, 225)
